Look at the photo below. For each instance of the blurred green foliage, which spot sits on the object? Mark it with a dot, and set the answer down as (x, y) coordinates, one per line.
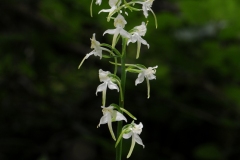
(48, 108)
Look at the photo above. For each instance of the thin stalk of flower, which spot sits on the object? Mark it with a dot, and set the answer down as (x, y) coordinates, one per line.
(121, 102)
(121, 93)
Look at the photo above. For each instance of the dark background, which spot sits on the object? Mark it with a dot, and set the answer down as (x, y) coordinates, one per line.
(49, 110)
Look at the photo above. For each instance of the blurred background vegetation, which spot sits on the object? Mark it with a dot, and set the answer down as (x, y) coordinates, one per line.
(48, 108)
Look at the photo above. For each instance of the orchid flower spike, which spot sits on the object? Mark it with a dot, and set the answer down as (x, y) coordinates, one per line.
(107, 82)
(136, 37)
(97, 50)
(131, 130)
(119, 23)
(148, 74)
(110, 115)
(114, 4)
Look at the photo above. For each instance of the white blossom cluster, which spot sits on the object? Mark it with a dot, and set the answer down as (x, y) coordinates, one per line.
(115, 112)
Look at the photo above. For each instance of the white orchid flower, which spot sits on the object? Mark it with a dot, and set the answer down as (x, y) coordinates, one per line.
(135, 131)
(119, 23)
(107, 82)
(136, 37)
(97, 50)
(110, 115)
(114, 4)
(98, 2)
(131, 130)
(148, 74)
(146, 6)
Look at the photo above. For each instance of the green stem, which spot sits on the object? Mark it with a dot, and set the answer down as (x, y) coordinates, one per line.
(121, 100)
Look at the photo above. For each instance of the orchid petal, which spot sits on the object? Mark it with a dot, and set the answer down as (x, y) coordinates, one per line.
(105, 10)
(101, 87)
(125, 33)
(143, 41)
(138, 139)
(151, 77)
(112, 85)
(140, 78)
(103, 120)
(118, 116)
(98, 52)
(103, 75)
(128, 135)
(145, 10)
(110, 31)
